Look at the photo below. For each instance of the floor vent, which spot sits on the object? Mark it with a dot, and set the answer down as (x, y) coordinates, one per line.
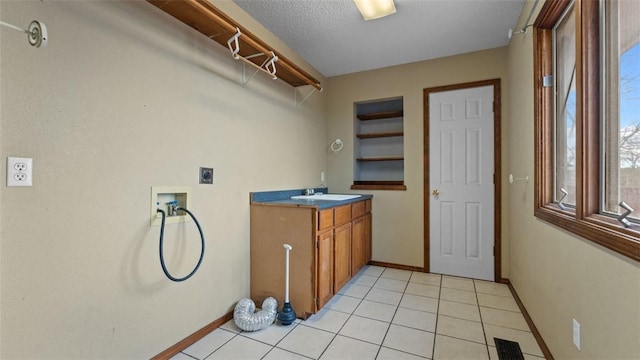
(508, 350)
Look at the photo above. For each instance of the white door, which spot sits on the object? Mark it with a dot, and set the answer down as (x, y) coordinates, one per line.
(461, 168)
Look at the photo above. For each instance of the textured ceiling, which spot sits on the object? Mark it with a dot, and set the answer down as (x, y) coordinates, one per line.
(332, 36)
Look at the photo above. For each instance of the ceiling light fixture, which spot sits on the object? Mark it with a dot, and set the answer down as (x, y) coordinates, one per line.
(375, 9)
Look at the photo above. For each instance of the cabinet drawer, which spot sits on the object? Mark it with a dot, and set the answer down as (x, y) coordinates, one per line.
(325, 219)
(357, 209)
(343, 214)
(367, 206)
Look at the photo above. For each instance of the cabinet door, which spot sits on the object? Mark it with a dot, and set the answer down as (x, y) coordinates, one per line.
(324, 268)
(342, 256)
(343, 214)
(359, 249)
(367, 238)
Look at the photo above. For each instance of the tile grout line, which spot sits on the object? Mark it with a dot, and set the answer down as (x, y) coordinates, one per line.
(225, 343)
(435, 331)
(484, 332)
(394, 314)
(408, 327)
(190, 355)
(358, 301)
(274, 346)
(349, 317)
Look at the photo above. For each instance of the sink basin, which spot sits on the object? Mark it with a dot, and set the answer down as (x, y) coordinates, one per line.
(330, 197)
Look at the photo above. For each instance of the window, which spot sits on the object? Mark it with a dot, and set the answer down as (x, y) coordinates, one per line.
(587, 114)
(564, 45)
(621, 104)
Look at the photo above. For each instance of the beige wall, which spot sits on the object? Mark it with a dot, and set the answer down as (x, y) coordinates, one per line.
(122, 99)
(559, 276)
(398, 233)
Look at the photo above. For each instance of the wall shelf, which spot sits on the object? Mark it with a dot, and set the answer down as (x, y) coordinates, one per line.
(378, 185)
(217, 26)
(381, 158)
(381, 115)
(380, 135)
(379, 145)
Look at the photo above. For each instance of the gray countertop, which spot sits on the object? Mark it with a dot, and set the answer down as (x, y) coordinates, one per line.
(283, 198)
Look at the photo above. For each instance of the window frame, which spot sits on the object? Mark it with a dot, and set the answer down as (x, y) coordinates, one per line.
(583, 220)
(561, 139)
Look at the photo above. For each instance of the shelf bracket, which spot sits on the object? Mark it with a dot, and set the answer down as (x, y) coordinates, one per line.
(230, 34)
(245, 79)
(295, 94)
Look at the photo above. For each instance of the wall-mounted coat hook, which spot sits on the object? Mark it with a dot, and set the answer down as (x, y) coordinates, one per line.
(523, 30)
(37, 32)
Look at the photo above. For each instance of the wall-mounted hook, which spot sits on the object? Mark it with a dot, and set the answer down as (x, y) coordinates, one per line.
(523, 30)
(37, 32)
(337, 145)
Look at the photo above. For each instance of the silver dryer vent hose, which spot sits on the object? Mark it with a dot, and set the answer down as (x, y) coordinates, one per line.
(247, 319)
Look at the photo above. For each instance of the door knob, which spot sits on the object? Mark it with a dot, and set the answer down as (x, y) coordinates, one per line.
(435, 192)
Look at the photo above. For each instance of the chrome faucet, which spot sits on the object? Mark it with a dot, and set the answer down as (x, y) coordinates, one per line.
(309, 191)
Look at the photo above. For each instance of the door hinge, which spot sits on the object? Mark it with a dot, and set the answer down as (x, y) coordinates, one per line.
(317, 244)
(547, 81)
(317, 300)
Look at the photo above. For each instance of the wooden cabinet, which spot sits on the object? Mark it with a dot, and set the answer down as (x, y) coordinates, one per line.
(322, 260)
(324, 268)
(358, 248)
(342, 256)
(342, 247)
(270, 228)
(361, 235)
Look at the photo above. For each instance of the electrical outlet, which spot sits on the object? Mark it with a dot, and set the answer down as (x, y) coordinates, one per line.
(19, 171)
(206, 175)
(576, 334)
(20, 166)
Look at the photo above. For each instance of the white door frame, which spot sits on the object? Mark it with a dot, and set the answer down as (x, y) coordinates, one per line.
(497, 252)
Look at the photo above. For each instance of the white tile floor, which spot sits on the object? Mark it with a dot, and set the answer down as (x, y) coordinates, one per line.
(385, 313)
